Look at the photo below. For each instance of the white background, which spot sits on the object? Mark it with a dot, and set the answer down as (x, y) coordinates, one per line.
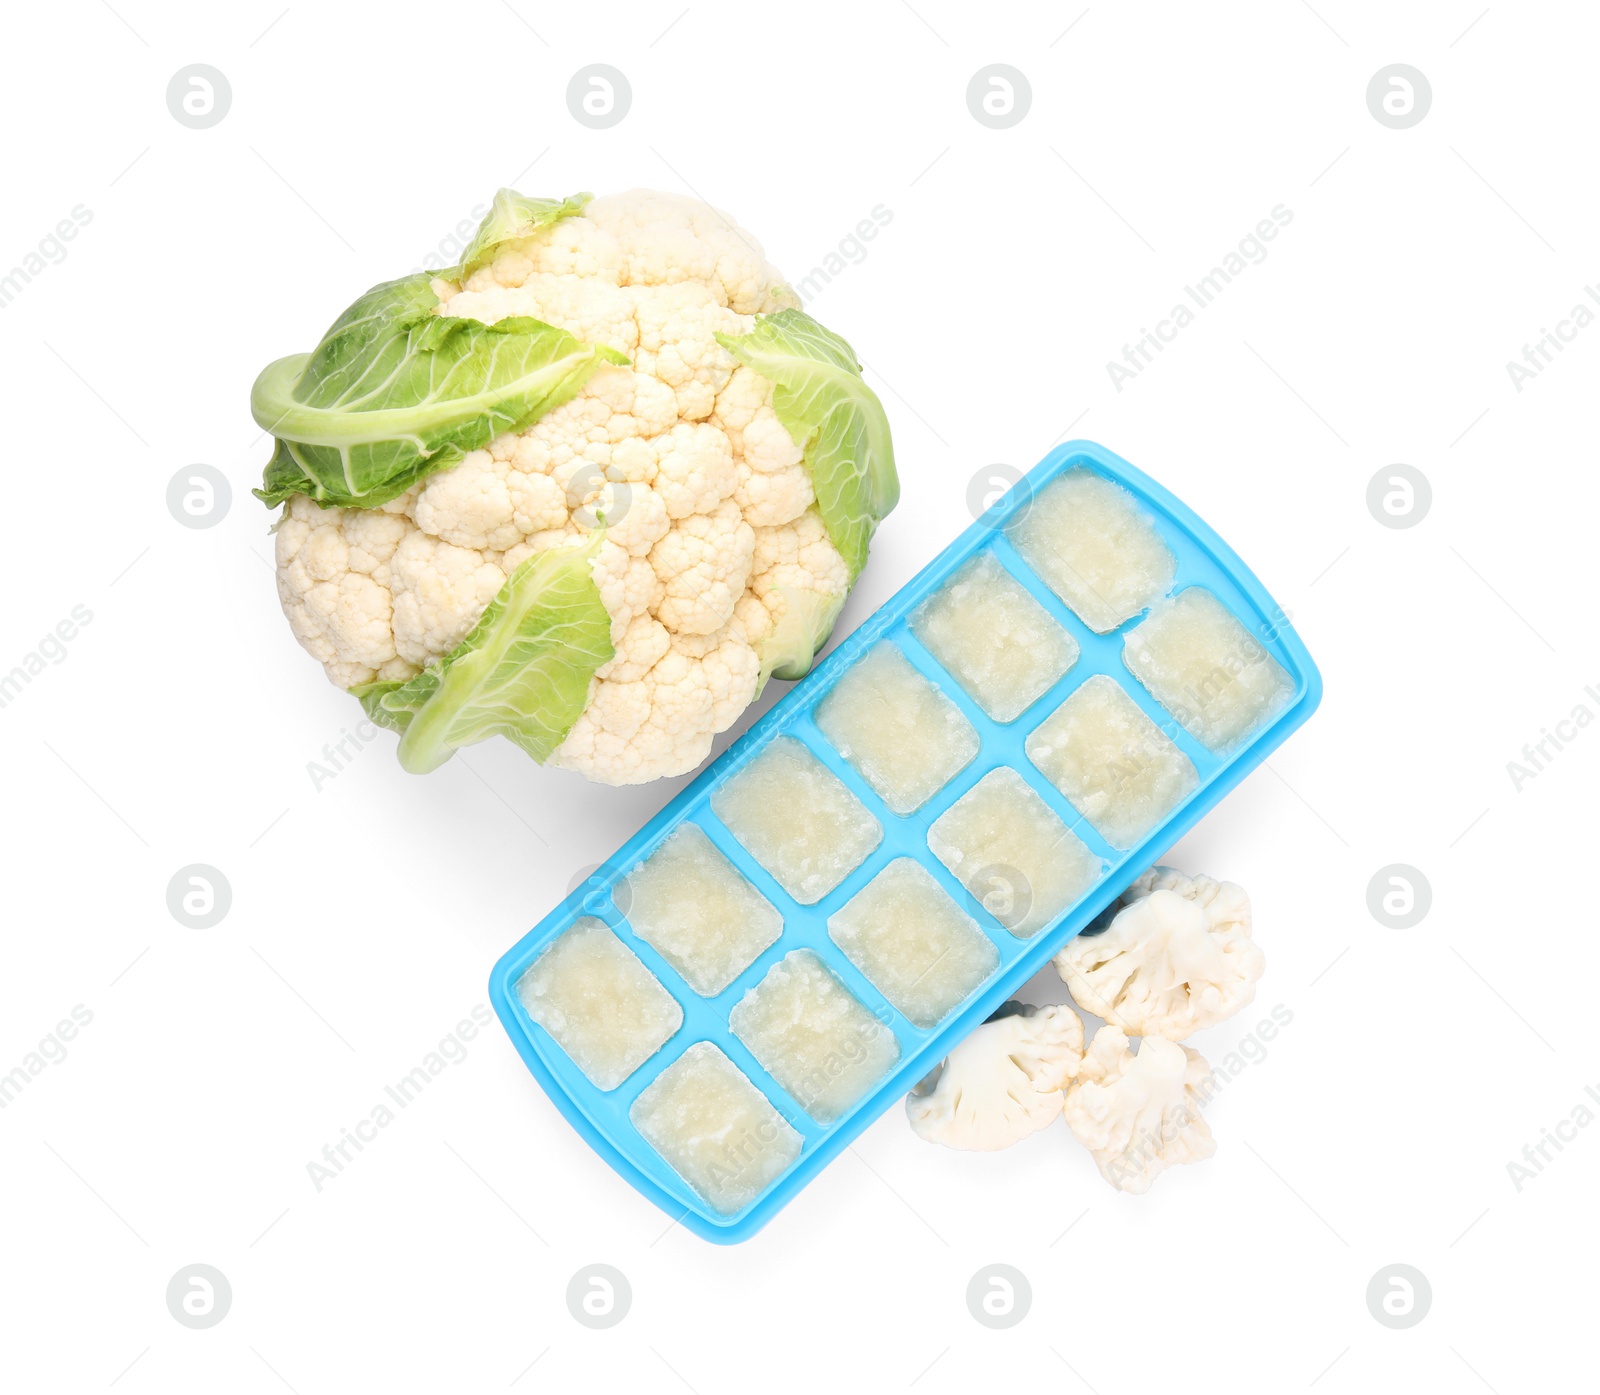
(366, 915)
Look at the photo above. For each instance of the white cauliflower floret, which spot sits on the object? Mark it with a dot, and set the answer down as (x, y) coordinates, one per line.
(635, 516)
(439, 592)
(1003, 1082)
(643, 642)
(1139, 1114)
(790, 558)
(767, 500)
(335, 608)
(694, 469)
(704, 564)
(372, 534)
(628, 585)
(707, 503)
(1178, 957)
(731, 668)
(678, 328)
(471, 505)
(667, 238)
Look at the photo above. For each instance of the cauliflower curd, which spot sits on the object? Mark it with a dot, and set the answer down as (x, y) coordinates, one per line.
(687, 420)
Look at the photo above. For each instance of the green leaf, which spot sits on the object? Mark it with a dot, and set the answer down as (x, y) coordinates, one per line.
(395, 392)
(522, 672)
(807, 621)
(512, 215)
(819, 396)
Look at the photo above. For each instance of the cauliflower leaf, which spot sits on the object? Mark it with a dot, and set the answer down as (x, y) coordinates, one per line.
(395, 392)
(513, 215)
(821, 400)
(522, 672)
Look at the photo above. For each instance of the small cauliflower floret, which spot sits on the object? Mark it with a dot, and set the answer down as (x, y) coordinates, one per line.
(731, 668)
(570, 434)
(744, 412)
(1139, 1114)
(373, 536)
(342, 616)
(619, 708)
(471, 505)
(538, 504)
(745, 394)
(628, 586)
(704, 564)
(790, 558)
(640, 406)
(694, 469)
(769, 500)
(1002, 1083)
(667, 238)
(439, 592)
(635, 516)
(678, 328)
(696, 689)
(575, 247)
(675, 733)
(643, 643)
(1178, 957)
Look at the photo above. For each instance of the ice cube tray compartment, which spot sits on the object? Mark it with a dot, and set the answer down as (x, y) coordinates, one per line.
(602, 1117)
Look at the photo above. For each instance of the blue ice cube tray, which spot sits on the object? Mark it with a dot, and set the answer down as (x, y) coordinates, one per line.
(602, 1117)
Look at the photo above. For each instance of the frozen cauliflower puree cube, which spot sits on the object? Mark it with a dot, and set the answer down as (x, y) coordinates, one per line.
(814, 1036)
(1206, 669)
(715, 1129)
(993, 638)
(797, 819)
(1118, 768)
(596, 998)
(1003, 843)
(693, 906)
(1094, 548)
(894, 726)
(918, 948)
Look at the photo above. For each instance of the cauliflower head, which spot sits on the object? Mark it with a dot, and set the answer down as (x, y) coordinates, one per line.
(1177, 957)
(586, 490)
(1139, 1114)
(1002, 1083)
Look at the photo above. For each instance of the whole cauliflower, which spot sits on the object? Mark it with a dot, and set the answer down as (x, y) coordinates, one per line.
(1177, 957)
(586, 490)
(1139, 1114)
